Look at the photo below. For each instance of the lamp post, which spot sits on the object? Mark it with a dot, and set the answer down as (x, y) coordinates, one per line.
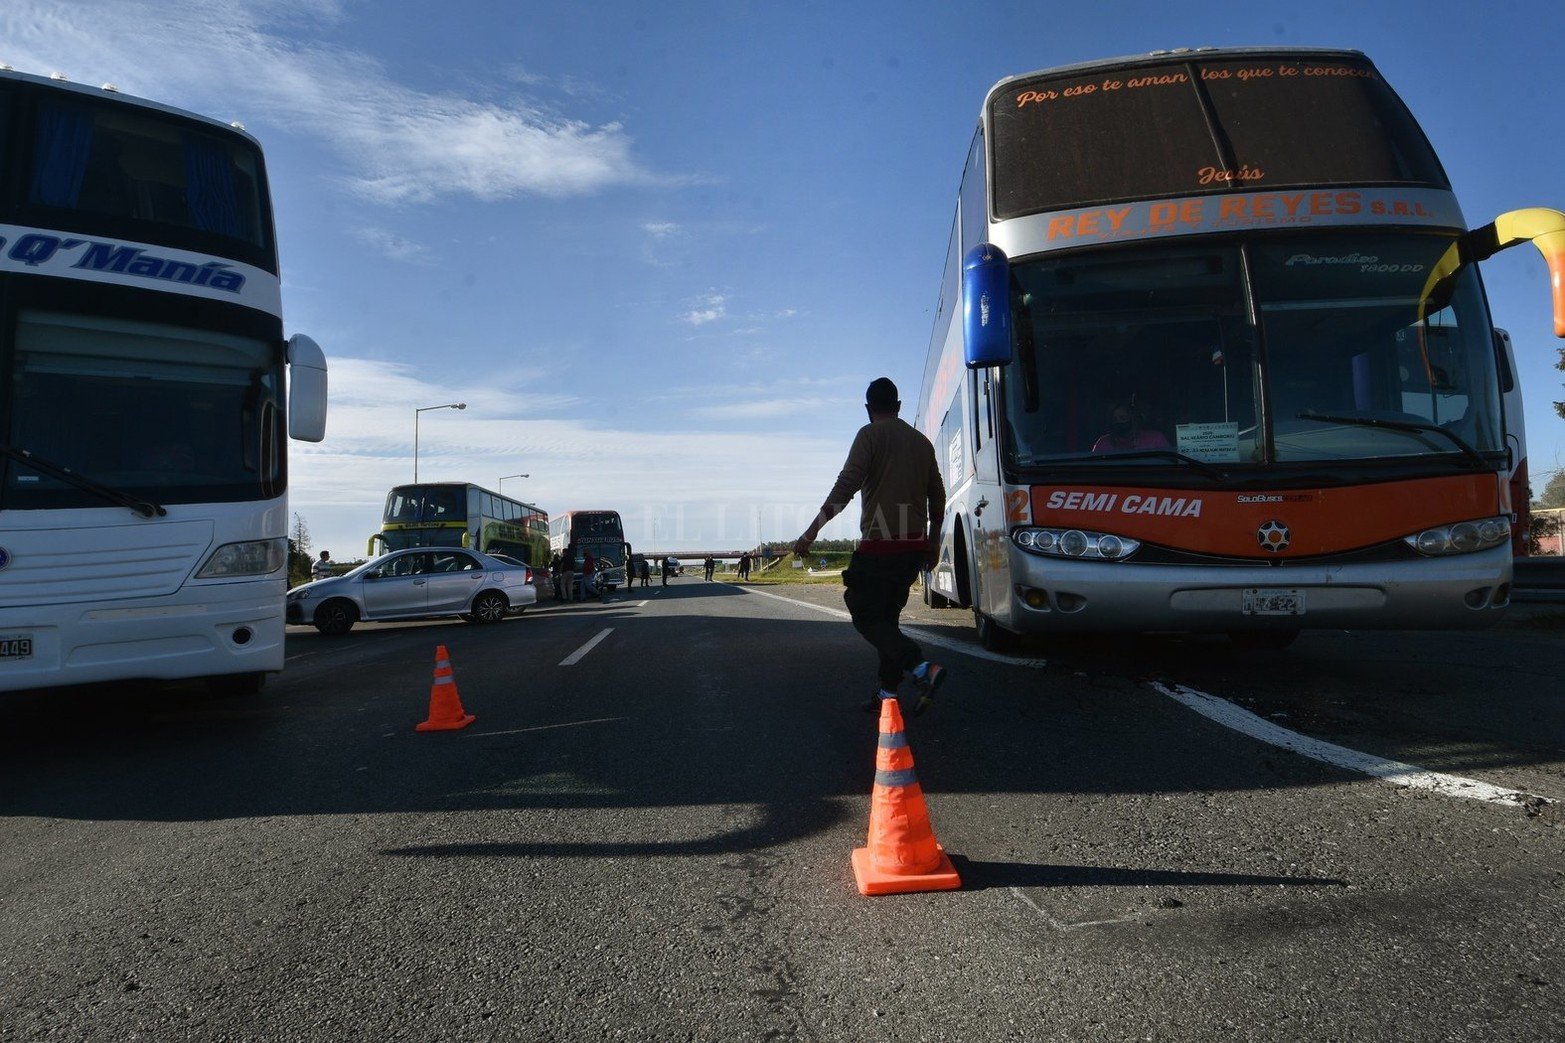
(416, 412)
(502, 481)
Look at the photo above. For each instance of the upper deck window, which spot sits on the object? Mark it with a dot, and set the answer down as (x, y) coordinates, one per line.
(1188, 128)
(129, 173)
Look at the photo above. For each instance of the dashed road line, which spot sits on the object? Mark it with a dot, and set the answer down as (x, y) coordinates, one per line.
(576, 656)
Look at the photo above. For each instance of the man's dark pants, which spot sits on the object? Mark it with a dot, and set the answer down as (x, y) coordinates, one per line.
(877, 590)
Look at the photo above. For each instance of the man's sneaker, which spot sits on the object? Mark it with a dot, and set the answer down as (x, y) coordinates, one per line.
(872, 704)
(927, 679)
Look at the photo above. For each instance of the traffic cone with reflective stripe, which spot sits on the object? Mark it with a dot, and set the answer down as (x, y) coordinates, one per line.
(902, 854)
(445, 705)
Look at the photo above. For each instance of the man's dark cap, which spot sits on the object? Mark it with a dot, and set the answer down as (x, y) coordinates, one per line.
(881, 395)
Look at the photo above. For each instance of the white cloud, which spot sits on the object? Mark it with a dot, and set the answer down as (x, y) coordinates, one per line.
(710, 308)
(399, 144)
(660, 229)
(391, 245)
(769, 408)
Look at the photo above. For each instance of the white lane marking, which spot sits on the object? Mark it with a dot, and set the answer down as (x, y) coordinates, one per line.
(1225, 713)
(1061, 925)
(643, 604)
(550, 727)
(1240, 720)
(576, 656)
(918, 634)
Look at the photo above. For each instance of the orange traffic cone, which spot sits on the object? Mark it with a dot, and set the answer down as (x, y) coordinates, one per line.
(902, 854)
(445, 705)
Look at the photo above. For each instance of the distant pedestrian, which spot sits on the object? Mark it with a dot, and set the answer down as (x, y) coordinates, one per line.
(322, 567)
(589, 575)
(744, 566)
(644, 570)
(892, 467)
(667, 569)
(711, 567)
(568, 573)
(555, 567)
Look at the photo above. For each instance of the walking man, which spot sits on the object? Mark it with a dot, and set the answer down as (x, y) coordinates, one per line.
(892, 466)
(322, 567)
(568, 573)
(710, 566)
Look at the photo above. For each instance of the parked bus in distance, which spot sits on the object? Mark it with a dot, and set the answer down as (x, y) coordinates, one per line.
(1212, 354)
(459, 514)
(575, 532)
(143, 454)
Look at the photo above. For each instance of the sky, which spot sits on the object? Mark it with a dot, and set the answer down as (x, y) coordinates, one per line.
(660, 250)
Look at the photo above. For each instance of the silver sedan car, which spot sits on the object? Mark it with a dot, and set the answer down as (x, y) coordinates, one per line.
(419, 583)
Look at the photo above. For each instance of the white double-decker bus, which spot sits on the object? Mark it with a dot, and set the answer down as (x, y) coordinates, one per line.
(1212, 354)
(143, 373)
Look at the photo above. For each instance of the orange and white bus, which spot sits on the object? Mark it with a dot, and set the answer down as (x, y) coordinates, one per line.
(1212, 354)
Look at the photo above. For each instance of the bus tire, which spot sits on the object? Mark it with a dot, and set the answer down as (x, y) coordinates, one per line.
(237, 684)
(992, 635)
(959, 562)
(336, 616)
(490, 607)
(1263, 640)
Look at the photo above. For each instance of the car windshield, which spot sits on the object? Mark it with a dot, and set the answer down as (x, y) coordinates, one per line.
(1222, 355)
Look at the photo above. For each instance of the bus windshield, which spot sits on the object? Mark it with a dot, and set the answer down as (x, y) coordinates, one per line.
(146, 176)
(1281, 350)
(174, 414)
(1189, 127)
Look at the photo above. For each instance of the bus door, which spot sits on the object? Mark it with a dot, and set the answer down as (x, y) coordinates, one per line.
(992, 576)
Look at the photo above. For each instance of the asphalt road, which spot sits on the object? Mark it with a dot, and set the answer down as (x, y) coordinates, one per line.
(652, 842)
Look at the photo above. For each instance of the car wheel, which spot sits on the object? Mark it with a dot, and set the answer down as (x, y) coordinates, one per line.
(336, 616)
(490, 607)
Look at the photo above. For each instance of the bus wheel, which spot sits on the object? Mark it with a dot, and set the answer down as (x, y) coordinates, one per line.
(1263, 640)
(992, 635)
(336, 616)
(237, 684)
(490, 607)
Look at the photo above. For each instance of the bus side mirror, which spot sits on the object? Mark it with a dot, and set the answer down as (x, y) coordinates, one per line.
(306, 389)
(986, 307)
(1540, 226)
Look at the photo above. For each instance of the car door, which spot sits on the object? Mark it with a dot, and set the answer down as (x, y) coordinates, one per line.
(400, 587)
(453, 580)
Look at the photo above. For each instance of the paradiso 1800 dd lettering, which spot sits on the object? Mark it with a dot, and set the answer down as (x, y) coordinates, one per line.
(1167, 506)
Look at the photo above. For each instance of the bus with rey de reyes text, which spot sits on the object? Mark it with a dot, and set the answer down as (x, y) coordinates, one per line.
(460, 514)
(573, 533)
(147, 394)
(1212, 354)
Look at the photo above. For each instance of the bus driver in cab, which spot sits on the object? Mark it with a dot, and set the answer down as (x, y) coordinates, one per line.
(1126, 433)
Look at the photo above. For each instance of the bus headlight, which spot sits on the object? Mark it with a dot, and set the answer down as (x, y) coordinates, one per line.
(1075, 543)
(252, 558)
(1461, 537)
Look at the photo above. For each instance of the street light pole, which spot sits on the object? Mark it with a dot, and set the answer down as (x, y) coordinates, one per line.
(502, 481)
(416, 412)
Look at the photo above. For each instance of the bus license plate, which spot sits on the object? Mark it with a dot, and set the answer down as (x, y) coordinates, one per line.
(1273, 601)
(16, 646)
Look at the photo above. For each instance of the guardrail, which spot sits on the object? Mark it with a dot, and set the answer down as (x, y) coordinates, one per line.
(1539, 580)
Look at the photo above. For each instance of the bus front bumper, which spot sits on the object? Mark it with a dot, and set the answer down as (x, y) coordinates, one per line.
(1458, 592)
(200, 631)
